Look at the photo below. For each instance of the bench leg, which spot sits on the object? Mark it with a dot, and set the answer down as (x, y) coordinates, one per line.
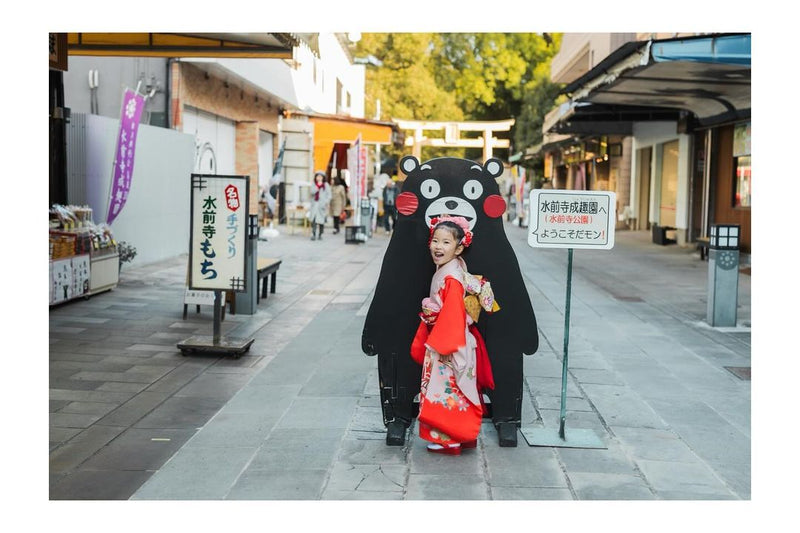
(264, 287)
(274, 278)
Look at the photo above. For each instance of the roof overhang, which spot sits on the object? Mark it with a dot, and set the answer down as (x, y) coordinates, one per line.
(250, 45)
(708, 76)
(235, 72)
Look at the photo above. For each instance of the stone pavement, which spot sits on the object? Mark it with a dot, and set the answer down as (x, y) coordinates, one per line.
(298, 417)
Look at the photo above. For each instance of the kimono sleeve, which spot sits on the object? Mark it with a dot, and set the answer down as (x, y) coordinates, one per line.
(449, 332)
(418, 344)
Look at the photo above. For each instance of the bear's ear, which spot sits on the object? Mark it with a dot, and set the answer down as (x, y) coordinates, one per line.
(409, 164)
(494, 167)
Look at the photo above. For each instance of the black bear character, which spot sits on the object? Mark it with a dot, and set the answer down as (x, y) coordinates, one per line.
(457, 187)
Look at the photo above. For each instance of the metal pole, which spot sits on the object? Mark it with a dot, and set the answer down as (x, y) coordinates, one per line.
(217, 315)
(566, 348)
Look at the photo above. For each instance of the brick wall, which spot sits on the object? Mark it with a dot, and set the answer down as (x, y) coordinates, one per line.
(247, 158)
(191, 86)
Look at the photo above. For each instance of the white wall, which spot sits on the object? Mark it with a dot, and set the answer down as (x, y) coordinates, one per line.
(296, 84)
(654, 134)
(155, 218)
(214, 140)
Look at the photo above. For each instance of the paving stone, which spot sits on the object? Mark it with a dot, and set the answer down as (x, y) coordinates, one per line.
(139, 449)
(653, 444)
(133, 410)
(311, 413)
(369, 478)
(197, 473)
(530, 493)
(523, 466)
(221, 386)
(459, 487)
(360, 451)
(98, 485)
(87, 408)
(690, 478)
(181, 412)
(278, 485)
(81, 447)
(593, 486)
(298, 449)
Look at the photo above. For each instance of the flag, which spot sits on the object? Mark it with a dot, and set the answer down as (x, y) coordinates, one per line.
(122, 173)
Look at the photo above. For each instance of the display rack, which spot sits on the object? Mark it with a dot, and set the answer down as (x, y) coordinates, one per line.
(83, 260)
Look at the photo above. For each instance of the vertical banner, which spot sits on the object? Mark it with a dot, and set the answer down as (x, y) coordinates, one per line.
(357, 164)
(132, 106)
(218, 231)
(519, 190)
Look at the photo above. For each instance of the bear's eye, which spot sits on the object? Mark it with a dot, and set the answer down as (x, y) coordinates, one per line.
(473, 189)
(429, 189)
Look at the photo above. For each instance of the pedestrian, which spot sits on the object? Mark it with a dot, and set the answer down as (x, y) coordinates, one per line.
(455, 365)
(320, 200)
(338, 203)
(389, 207)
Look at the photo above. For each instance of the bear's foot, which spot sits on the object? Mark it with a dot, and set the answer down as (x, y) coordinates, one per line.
(508, 434)
(395, 433)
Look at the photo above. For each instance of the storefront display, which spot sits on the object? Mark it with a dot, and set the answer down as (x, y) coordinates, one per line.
(84, 258)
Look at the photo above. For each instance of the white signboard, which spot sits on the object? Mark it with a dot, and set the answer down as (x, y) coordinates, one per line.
(572, 219)
(218, 232)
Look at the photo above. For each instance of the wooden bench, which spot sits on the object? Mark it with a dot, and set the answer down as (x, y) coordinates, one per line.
(266, 267)
(702, 245)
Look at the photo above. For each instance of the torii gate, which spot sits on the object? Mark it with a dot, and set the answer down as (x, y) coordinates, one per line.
(452, 135)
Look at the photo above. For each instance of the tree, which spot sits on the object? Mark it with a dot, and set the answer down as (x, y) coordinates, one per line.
(500, 75)
(463, 76)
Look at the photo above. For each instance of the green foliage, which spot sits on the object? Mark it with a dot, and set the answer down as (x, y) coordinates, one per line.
(463, 76)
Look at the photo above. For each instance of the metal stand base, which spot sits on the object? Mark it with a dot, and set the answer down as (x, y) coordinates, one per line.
(574, 438)
(227, 346)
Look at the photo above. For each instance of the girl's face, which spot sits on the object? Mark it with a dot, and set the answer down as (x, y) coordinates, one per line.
(444, 246)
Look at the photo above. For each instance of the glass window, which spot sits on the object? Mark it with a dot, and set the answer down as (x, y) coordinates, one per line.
(741, 196)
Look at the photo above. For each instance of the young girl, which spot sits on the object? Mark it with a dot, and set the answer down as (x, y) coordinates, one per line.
(451, 352)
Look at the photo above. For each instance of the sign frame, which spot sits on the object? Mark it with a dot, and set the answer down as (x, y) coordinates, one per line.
(230, 272)
(570, 217)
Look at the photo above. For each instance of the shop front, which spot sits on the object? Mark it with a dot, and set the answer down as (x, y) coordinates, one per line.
(685, 104)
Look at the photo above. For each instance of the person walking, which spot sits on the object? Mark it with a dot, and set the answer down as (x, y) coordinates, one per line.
(389, 207)
(320, 200)
(455, 365)
(338, 203)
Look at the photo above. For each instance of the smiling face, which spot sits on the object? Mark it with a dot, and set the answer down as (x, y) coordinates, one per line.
(445, 246)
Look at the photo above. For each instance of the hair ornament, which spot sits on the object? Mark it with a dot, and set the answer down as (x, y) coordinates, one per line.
(461, 222)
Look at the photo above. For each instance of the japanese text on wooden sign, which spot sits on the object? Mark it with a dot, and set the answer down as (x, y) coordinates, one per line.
(572, 219)
(218, 232)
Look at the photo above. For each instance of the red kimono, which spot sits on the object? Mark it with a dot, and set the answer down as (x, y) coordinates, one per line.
(450, 404)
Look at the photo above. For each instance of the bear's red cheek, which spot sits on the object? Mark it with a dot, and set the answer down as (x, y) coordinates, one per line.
(407, 203)
(494, 206)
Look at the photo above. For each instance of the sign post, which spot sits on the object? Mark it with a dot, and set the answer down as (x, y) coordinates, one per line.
(569, 219)
(217, 254)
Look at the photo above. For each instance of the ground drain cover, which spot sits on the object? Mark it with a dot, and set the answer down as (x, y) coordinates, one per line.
(741, 372)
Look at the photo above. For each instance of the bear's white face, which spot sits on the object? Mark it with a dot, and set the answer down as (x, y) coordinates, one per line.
(451, 205)
(442, 194)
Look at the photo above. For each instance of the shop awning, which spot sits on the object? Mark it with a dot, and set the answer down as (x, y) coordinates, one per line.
(708, 76)
(330, 130)
(250, 45)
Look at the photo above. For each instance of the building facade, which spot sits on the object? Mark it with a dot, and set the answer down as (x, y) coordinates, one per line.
(655, 121)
